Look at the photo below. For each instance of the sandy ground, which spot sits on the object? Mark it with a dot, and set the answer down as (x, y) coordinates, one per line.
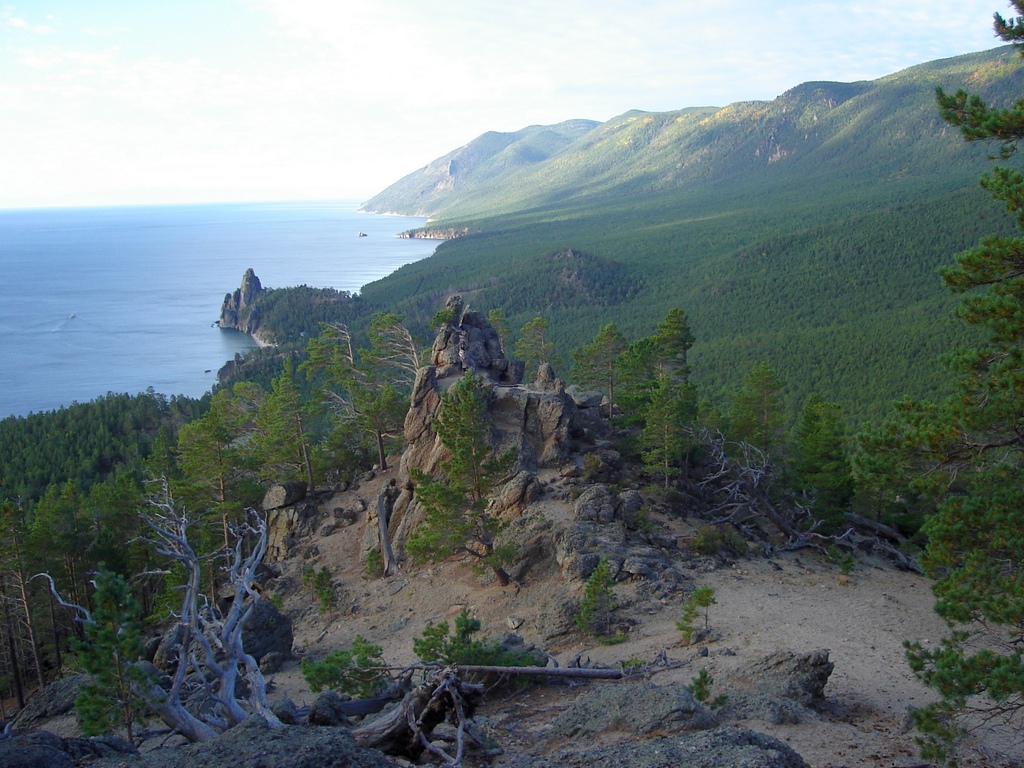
(795, 601)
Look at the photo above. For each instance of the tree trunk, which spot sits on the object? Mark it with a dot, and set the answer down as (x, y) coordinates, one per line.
(30, 625)
(385, 504)
(12, 650)
(173, 712)
(381, 454)
(406, 729)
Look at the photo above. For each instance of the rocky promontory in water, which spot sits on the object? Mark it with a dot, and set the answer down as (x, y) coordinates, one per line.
(239, 311)
(280, 315)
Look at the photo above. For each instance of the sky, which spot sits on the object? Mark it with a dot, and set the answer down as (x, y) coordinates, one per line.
(109, 102)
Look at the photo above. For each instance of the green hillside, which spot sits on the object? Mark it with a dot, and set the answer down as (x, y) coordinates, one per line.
(491, 156)
(806, 231)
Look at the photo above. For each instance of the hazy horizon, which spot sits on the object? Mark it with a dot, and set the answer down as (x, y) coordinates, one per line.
(205, 101)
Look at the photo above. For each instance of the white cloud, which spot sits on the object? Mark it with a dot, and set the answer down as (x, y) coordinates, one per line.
(318, 97)
(19, 23)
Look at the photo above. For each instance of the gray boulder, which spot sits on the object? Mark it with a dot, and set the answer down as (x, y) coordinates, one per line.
(43, 749)
(595, 505)
(283, 495)
(268, 631)
(584, 398)
(718, 748)
(638, 709)
(55, 699)
(783, 687)
(253, 743)
(799, 677)
(327, 710)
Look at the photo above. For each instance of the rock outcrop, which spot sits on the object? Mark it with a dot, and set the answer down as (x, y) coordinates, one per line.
(238, 311)
(704, 749)
(43, 749)
(535, 420)
(291, 517)
(782, 687)
(55, 699)
(637, 709)
(253, 743)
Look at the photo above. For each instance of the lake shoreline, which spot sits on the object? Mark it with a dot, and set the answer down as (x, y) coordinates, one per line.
(119, 299)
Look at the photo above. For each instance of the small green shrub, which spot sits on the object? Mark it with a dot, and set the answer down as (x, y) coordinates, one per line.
(845, 560)
(437, 644)
(441, 318)
(598, 603)
(308, 577)
(359, 671)
(323, 590)
(374, 567)
(711, 538)
(592, 466)
(700, 687)
(702, 599)
(847, 563)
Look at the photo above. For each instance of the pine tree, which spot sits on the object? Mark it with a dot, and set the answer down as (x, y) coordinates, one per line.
(599, 601)
(966, 455)
(364, 393)
(665, 436)
(597, 364)
(111, 647)
(456, 520)
(212, 461)
(283, 438)
(822, 469)
(756, 416)
(652, 363)
(533, 346)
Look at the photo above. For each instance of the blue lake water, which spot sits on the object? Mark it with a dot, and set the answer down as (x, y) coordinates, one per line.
(97, 300)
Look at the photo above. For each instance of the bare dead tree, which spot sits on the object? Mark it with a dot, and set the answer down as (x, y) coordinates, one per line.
(395, 348)
(213, 642)
(407, 728)
(740, 479)
(385, 505)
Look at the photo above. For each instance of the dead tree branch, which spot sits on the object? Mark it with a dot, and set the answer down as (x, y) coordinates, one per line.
(218, 638)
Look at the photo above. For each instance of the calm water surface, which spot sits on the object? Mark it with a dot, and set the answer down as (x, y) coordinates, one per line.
(97, 300)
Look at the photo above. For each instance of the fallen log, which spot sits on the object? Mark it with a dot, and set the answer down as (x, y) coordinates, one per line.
(592, 674)
(358, 707)
(407, 728)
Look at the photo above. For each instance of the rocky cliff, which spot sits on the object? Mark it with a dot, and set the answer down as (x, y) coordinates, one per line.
(535, 419)
(239, 311)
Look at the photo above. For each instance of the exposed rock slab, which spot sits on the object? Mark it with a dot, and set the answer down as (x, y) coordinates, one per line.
(43, 749)
(55, 699)
(639, 709)
(287, 526)
(782, 687)
(254, 743)
(718, 748)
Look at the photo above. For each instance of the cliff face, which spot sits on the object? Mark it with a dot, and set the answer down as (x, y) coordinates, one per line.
(534, 419)
(238, 311)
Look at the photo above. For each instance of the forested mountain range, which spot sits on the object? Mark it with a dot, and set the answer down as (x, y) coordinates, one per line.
(805, 231)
